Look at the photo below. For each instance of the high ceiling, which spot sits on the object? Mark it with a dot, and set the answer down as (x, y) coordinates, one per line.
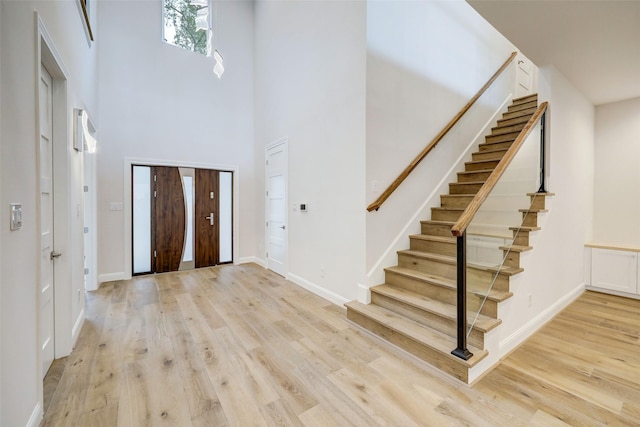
(595, 44)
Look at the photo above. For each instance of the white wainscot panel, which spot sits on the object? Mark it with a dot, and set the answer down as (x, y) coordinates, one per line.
(615, 270)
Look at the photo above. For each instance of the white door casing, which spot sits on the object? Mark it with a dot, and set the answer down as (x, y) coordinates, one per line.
(47, 336)
(276, 207)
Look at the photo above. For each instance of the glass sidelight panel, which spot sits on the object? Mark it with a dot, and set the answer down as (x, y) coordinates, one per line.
(141, 219)
(187, 177)
(226, 217)
(187, 184)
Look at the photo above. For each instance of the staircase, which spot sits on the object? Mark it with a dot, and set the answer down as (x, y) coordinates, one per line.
(415, 307)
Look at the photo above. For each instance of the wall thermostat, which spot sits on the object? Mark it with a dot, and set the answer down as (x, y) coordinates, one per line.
(16, 216)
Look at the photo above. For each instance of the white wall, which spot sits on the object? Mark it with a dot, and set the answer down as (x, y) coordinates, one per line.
(617, 173)
(553, 273)
(425, 61)
(20, 358)
(161, 102)
(310, 87)
(1, 201)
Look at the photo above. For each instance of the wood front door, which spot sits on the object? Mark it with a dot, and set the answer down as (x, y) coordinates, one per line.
(180, 216)
(207, 218)
(168, 219)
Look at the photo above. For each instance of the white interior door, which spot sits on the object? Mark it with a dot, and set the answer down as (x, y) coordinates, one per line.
(276, 207)
(46, 221)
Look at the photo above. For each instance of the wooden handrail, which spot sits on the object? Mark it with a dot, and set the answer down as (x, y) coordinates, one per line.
(405, 173)
(463, 222)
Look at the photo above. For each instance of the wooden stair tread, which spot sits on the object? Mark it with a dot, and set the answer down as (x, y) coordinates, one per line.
(524, 118)
(509, 271)
(516, 248)
(438, 222)
(507, 129)
(483, 323)
(428, 337)
(467, 183)
(522, 106)
(477, 162)
(504, 150)
(494, 295)
(525, 98)
(457, 196)
(494, 143)
(525, 228)
(532, 210)
(520, 113)
(478, 171)
(546, 194)
(432, 238)
(440, 208)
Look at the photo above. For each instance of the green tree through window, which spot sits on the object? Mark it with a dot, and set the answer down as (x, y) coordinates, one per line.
(186, 24)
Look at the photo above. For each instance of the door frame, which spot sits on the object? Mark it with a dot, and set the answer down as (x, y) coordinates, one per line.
(65, 331)
(131, 161)
(285, 263)
(89, 163)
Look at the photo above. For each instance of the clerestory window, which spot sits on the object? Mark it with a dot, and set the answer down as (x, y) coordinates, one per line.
(186, 24)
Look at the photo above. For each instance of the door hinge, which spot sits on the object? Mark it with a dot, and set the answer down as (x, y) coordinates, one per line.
(267, 192)
(267, 254)
(267, 223)
(267, 162)
(86, 230)
(86, 271)
(155, 178)
(155, 255)
(155, 193)
(86, 188)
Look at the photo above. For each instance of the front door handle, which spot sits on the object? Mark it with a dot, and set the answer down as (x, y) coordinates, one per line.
(210, 218)
(54, 255)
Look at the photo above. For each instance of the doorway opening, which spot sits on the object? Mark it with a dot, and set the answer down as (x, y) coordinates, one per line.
(182, 218)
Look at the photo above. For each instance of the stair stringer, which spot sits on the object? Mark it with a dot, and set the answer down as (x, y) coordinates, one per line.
(389, 257)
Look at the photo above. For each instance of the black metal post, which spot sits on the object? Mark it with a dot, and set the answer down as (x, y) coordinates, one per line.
(461, 264)
(542, 153)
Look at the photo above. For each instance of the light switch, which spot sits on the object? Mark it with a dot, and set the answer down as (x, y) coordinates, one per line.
(16, 216)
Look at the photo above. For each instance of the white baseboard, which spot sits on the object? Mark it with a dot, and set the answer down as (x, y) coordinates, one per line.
(77, 326)
(252, 259)
(318, 290)
(112, 277)
(36, 416)
(513, 340)
(612, 292)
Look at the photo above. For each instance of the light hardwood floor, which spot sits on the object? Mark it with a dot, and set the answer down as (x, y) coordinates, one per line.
(240, 346)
